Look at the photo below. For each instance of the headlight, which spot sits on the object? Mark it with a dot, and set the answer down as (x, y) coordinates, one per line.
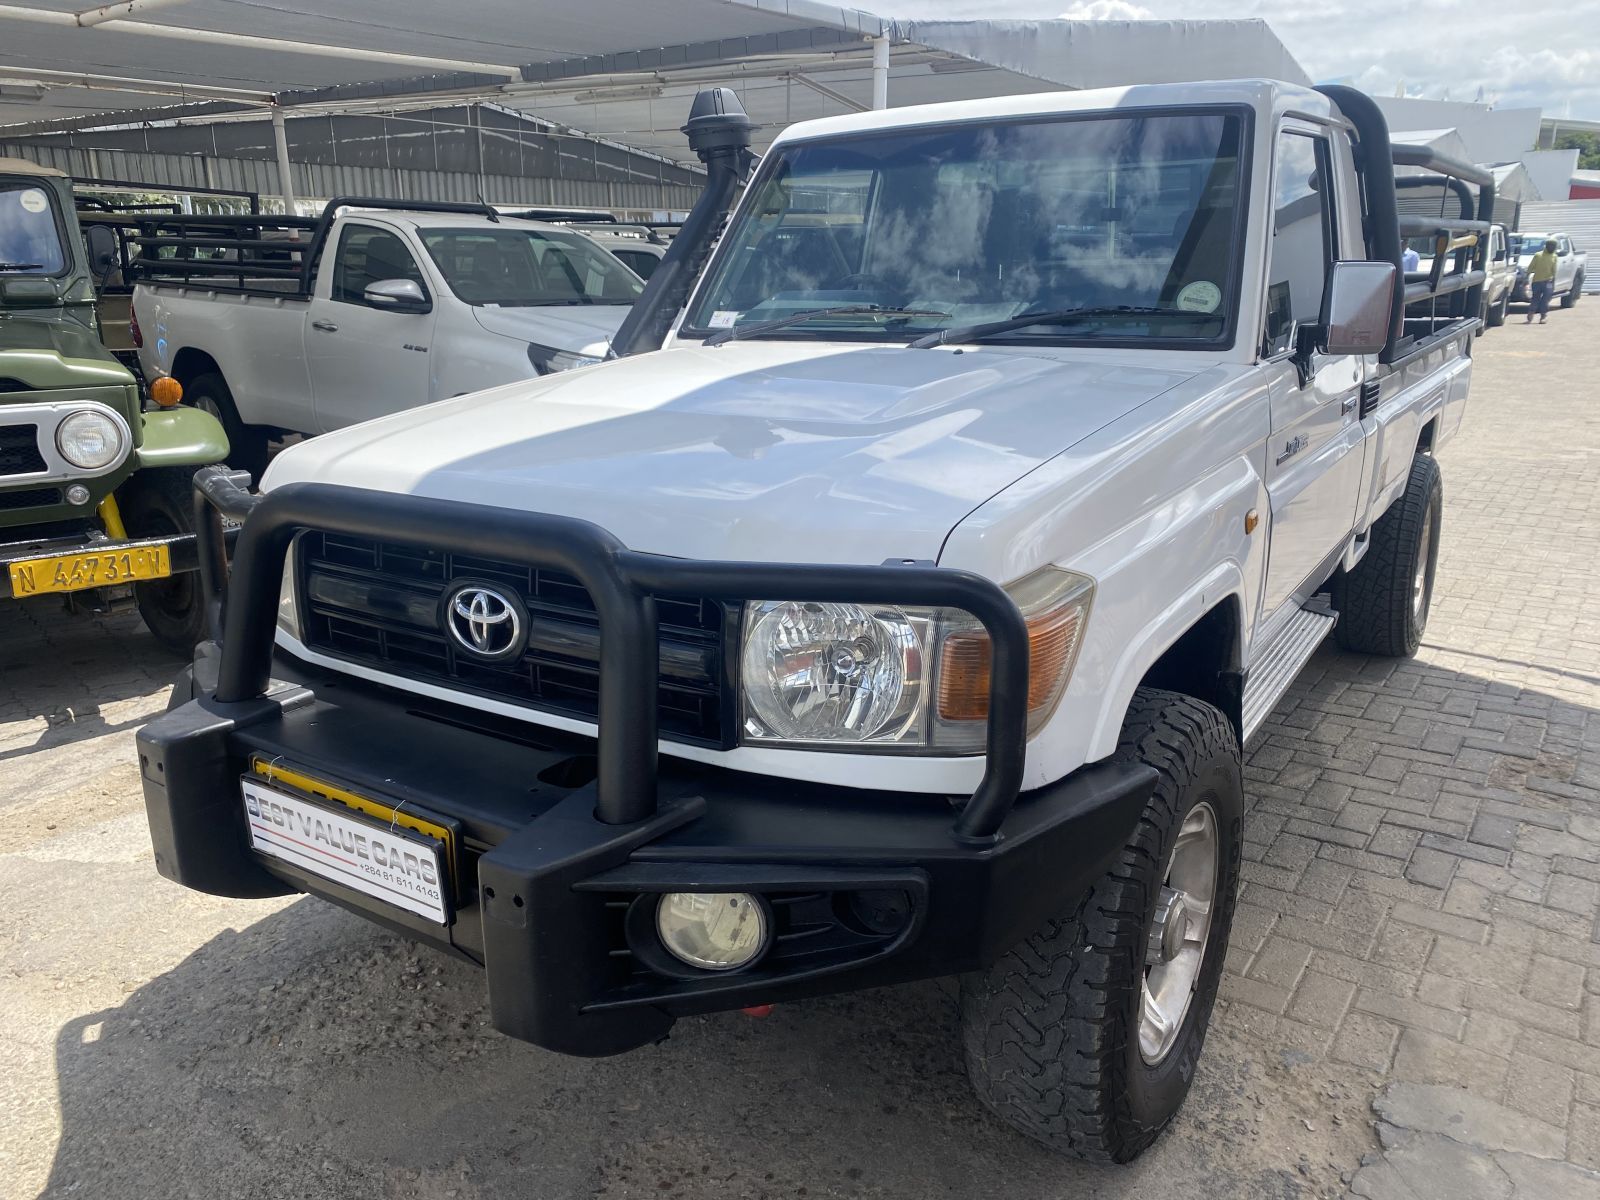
(831, 672)
(288, 612)
(89, 439)
(833, 676)
(547, 360)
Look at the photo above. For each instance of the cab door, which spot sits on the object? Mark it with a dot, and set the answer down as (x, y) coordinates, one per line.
(1314, 457)
(366, 361)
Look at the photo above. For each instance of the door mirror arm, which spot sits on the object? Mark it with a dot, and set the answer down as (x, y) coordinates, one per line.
(1308, 341)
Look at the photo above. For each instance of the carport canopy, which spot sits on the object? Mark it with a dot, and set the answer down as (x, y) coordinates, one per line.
(619, 70)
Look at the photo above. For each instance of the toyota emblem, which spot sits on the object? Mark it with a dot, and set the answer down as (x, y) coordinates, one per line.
(484, 621)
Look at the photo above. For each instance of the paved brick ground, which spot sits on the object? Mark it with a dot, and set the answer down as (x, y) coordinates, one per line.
(1424, 868)
(1420, 907)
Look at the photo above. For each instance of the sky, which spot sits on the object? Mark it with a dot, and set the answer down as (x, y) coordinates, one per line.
(1535, 54)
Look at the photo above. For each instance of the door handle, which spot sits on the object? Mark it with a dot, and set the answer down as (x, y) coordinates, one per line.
(325, 326)
(1347, 405)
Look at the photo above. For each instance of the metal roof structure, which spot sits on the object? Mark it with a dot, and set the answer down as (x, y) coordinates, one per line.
(617, 69)
(618, 74)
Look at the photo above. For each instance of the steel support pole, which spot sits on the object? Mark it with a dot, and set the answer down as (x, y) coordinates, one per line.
(880, 72)
(285, 176)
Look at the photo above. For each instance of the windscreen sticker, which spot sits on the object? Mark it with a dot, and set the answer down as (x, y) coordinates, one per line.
(723, 319)
(1200, 296)
(33, 200)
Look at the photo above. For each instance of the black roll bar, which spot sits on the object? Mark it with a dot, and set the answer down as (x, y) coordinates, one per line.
(623, 585)
(1377, 157)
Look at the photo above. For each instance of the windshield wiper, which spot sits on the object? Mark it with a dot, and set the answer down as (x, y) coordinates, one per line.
(5, 266)
(1064, 316)
(734, 332)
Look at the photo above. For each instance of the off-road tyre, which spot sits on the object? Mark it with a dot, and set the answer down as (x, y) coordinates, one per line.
(1378, 613)
(1495, 315)
(247, 444)
(1573, 293)
(1050, 1031)
(156, 503)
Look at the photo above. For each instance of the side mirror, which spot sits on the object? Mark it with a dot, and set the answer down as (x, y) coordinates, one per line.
(1356, 307)
(397, 295)
(101, 242)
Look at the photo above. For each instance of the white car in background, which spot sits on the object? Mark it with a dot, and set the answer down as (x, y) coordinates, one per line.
(291, 324)
(640, 247)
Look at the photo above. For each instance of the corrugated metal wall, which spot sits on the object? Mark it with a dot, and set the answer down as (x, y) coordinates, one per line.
(435, 154)
(321, 180)
(1580, 219)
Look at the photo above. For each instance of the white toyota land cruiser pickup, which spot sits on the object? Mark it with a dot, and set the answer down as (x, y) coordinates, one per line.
(903, 616)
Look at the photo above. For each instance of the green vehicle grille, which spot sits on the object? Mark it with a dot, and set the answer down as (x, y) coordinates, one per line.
(19, 450)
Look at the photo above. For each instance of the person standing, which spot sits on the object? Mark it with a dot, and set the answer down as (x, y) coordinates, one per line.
(1542, 281)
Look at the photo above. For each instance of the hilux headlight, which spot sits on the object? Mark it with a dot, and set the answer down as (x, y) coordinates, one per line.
(90, 439)
(288, 612)
(547, 360)
(898, 679)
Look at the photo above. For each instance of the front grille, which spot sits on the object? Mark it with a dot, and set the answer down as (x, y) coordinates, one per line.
(378, 604)
(29, 498)
(19, 450)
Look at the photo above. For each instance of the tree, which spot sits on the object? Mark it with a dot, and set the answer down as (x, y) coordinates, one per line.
(1586, 144)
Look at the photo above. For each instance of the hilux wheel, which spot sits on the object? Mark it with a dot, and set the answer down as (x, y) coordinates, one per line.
(1383, 604)
(247, 444)
(1086, 1035)
(156, 503)
(1496, 314)
(1573, 292)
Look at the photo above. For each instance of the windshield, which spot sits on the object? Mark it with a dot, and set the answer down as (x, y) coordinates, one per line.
(1529, 243)
(30, 234)
(517, 268)
(985, 222)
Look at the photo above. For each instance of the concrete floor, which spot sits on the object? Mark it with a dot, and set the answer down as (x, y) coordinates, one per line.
(1419, 909)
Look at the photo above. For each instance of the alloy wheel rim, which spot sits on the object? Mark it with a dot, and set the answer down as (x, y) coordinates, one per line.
(1179, 934)
(1419, 581)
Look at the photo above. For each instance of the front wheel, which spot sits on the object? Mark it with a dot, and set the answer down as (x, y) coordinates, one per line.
(247, 444)
(156, 503)
(1086, 1036)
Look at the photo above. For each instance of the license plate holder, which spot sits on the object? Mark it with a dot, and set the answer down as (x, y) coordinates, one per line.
(86, 569)
(389, 862)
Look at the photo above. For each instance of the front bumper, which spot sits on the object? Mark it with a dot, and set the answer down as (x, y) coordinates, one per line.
(867, 888)
(562, 843)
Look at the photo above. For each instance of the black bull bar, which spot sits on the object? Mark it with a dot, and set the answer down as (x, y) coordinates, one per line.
(622, 583)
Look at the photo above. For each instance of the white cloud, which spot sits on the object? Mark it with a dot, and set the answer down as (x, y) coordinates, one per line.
(1107, 10)
(1538, 53)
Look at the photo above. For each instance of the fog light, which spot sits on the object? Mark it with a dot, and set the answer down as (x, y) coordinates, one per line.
(716, 931)
(77, 494)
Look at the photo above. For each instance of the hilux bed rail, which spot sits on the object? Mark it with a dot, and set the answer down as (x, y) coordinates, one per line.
(623, 585)
(1451, 296)
(255, 253)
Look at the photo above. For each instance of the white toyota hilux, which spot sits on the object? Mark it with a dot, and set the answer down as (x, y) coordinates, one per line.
(903, 615)
(293, 324)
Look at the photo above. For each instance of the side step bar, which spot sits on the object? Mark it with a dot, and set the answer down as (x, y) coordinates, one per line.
(1281, 662)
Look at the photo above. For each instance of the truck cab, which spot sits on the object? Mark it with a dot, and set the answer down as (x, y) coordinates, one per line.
(94, 481)
(896, 604)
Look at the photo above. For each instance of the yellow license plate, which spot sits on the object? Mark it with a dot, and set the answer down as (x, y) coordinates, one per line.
(93, 568)
(279, 775)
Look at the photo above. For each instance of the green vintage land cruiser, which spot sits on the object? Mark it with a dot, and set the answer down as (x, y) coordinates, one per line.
(94, 480)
